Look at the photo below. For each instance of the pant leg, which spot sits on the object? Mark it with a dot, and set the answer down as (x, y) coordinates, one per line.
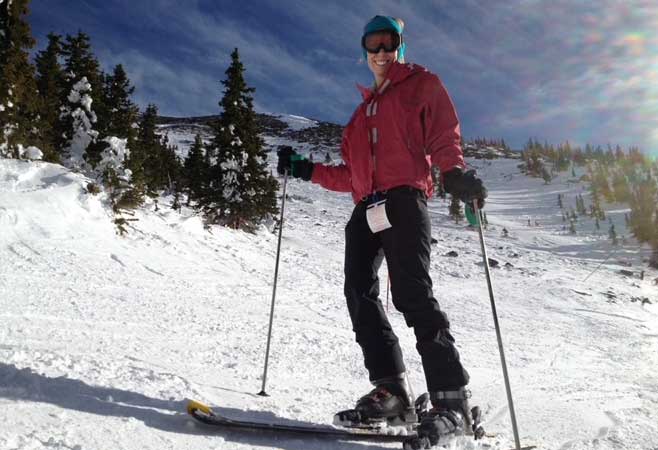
(363, 258)
(407, 249)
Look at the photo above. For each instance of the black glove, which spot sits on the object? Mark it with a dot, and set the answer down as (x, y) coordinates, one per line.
(295, 164)
(466, 186)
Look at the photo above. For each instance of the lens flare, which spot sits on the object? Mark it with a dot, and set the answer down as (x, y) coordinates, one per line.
(603, 72)
(634, 43)
(631, 62)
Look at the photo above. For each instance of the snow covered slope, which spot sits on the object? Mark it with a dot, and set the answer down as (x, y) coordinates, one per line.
(103, 337)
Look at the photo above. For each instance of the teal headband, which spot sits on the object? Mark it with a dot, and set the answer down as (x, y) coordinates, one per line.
(381, 23)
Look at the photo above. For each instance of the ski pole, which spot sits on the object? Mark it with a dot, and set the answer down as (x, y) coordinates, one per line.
(508, 388)
(276, 276)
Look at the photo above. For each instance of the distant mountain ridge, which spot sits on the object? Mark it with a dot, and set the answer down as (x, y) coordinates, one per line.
(326, 136)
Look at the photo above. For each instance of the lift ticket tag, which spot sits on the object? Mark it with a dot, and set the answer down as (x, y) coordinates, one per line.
(376, 217)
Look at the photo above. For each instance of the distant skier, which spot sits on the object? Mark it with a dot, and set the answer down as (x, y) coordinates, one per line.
(406, 124)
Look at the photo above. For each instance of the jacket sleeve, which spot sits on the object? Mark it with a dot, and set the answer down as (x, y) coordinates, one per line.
(335, 178)
(442, 135)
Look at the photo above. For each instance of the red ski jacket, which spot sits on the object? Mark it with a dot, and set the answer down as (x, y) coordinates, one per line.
(394, 137)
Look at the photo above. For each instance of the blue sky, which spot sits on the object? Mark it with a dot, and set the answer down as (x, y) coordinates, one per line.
(556, 70)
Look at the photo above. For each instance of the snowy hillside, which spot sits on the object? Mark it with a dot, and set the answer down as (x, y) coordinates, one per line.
(102, 338)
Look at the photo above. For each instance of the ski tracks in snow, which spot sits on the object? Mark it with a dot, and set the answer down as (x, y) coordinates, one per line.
(103, 337)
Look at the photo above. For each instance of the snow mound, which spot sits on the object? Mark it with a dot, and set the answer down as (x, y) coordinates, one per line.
(43, 200)
(297, 123)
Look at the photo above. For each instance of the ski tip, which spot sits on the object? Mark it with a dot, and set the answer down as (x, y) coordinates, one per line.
(193, 406)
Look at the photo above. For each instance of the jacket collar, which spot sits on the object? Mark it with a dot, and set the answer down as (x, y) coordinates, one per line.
(397, 73)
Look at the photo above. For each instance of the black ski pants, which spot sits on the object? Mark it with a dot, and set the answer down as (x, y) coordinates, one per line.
(406, 247)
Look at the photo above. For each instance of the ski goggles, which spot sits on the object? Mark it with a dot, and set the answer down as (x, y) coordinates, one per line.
(388, 40)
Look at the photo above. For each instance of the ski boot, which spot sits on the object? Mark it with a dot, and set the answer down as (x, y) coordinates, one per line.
(387, 405)
(450, 416)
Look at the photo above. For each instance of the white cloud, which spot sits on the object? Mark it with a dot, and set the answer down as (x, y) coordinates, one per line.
(514, 65)
(175, 90)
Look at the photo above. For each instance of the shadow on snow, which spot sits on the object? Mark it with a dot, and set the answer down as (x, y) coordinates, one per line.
(166, 415)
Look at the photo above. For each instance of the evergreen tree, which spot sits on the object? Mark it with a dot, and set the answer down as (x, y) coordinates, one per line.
(598, 154)
(613, 234)
(169, 167)
(4, 30)
(436, 180)
(19, 101)
(455, 209)
(620, 187)
(578, 158)
(600, 182)
(176, 205)
(83, 91)
(643, 205)
(116, 177)
(121, 112)
(609, 156)
(78, 119)
(589, 152)
(154, 163)
(653, 260)
(80, 62)
(596, 209)
(580, 205)
(195, 171)
(441, 191)
(241, 191)
(50, 83)
(143, 158)
(114, 157)
(619, 154)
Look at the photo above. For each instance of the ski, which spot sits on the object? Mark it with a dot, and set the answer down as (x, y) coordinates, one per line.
(206, 415)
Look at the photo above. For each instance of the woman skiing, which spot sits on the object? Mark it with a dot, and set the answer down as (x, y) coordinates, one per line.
(405, 124)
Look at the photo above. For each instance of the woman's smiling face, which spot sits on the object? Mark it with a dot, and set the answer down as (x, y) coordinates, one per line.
(380, 62)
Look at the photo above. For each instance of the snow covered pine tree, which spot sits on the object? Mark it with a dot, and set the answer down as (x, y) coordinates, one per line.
(241, 192)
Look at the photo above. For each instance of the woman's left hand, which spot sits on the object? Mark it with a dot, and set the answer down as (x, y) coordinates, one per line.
(466, 186)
